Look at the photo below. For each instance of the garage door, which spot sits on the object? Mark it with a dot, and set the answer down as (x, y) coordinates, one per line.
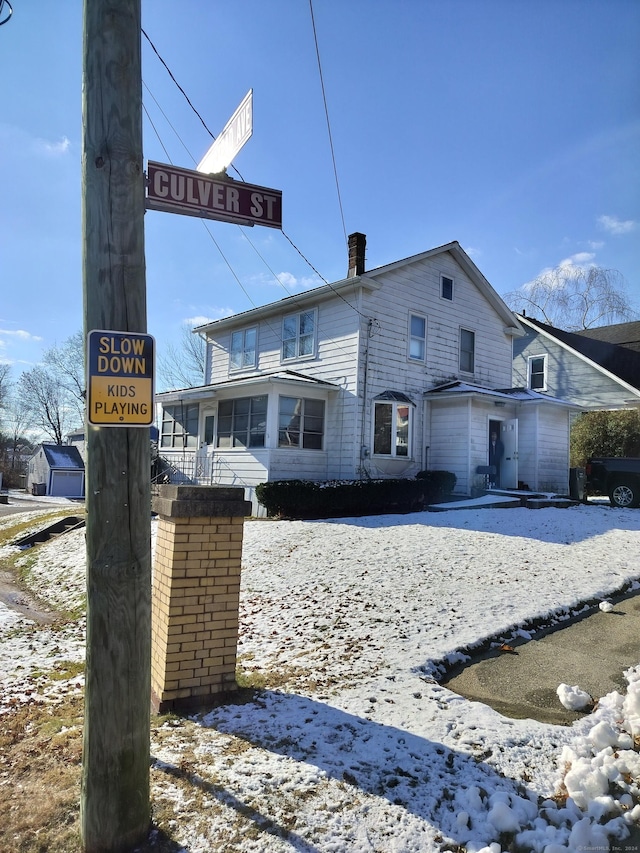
(67, 484)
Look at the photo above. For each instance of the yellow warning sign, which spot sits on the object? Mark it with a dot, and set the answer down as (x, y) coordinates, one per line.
(120, 378)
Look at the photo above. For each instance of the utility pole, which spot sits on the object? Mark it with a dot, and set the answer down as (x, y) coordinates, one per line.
(115, 810)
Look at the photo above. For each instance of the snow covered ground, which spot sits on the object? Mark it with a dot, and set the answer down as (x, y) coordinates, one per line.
(352, 745)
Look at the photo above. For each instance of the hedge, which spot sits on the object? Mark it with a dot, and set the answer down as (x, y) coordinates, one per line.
(340, 499)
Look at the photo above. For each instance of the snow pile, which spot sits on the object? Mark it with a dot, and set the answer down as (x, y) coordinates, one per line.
(573, 698)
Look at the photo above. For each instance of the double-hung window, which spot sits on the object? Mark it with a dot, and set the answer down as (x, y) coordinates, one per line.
(243, 348)
(417, 337)
(392, 428)
(538, 372)
(467, 350)
(179, 426)
(299, 335)
(242, 422)
(300, 423)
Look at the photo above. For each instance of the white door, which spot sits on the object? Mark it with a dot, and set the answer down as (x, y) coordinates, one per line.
(509, 464)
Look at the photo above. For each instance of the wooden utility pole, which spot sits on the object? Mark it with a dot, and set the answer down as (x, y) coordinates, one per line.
(115, 809)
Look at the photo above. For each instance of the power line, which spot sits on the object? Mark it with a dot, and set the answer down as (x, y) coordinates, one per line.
(326, 112)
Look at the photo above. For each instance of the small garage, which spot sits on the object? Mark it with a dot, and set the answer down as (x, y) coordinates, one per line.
(56, 470)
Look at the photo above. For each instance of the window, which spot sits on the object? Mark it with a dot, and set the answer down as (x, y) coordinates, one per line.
(467, 350)
(417, 337)
(538, 373)
(179, 426)
(242, 422)
(243, 349)
(446, 287)
(298, 335)
(300, 423)
(208, 429)
(391, 429)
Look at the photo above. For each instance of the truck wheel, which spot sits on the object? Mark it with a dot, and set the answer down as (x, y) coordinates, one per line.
(624, 494)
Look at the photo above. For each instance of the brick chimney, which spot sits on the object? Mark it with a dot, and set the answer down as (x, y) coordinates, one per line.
(357, 244)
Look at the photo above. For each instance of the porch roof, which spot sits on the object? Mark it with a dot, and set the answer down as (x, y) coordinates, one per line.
(498, 395)
(281, 377)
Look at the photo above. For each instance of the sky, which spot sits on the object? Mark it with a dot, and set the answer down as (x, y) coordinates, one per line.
(512, 127)
(352, 744)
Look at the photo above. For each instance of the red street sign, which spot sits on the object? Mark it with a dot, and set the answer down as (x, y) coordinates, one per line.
(179, 190)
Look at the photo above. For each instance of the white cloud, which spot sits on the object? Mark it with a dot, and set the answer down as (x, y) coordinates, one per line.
(21, 334)
(616, 226)
(580, 259)
(52, 149)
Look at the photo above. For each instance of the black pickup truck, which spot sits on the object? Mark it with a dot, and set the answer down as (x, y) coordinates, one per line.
(614, 476)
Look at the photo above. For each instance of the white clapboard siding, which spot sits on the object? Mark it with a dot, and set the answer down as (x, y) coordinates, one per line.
(449, 449)
(569, 377)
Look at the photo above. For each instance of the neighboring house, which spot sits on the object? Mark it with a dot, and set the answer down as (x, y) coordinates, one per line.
(625, 335)
(594, 368)
(56, 469)
(382, 374)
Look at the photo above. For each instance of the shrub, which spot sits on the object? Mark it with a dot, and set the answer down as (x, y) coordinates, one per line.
(605, 434)
(339, 499)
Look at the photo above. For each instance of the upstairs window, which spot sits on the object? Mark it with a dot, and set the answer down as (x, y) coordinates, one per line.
(298, 335)
(242, 422)
(538, 373)
(417, 337)
(179, 426)
(243, 348)
(467, 350)
(392, 425)
(446, 287)
(300, 423)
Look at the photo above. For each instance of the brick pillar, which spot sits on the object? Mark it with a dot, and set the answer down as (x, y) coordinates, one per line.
(195, 595)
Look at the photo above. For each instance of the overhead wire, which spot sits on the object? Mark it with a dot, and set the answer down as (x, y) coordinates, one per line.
(215, 242)
(326, 112)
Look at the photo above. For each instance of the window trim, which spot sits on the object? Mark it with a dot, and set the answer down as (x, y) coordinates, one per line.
(460, 350)
(452, 280)
(233, 368)
(530, 361)
(298, 355)
(395, 404)
(411, 337)
(302, 431)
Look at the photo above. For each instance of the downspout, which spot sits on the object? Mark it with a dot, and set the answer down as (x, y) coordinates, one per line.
(364, 396)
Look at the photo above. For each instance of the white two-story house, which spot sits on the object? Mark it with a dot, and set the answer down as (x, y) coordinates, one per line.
(383, 374)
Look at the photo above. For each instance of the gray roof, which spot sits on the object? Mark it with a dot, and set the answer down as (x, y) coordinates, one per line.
(63, 456)
(623, 334)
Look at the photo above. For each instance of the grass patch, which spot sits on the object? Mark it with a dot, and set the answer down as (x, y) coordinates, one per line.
(12, 529)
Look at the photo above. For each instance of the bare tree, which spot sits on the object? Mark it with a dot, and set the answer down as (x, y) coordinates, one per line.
(574, 297)
(45, 400)
(15, 425)
(182, 366)
(66, 363)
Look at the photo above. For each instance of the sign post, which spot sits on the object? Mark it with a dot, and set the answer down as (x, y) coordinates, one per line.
(115, 809)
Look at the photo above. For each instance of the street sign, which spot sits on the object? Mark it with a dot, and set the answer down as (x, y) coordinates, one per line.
(177, 190)
(234, 135)
(120, 378)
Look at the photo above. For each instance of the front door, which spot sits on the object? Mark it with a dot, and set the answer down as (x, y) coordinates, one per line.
(509, 465)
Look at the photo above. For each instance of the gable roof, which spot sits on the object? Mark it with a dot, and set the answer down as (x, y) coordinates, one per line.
(368, 281)
(63, 456)
(617, 361)
(623, 334)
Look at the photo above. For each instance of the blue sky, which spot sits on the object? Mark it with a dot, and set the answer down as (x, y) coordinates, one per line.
(510, 126)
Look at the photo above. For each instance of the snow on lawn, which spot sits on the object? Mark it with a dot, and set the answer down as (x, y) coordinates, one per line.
(352, 744)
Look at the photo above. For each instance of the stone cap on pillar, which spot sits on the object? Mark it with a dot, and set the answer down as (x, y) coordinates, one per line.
(201, 502)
